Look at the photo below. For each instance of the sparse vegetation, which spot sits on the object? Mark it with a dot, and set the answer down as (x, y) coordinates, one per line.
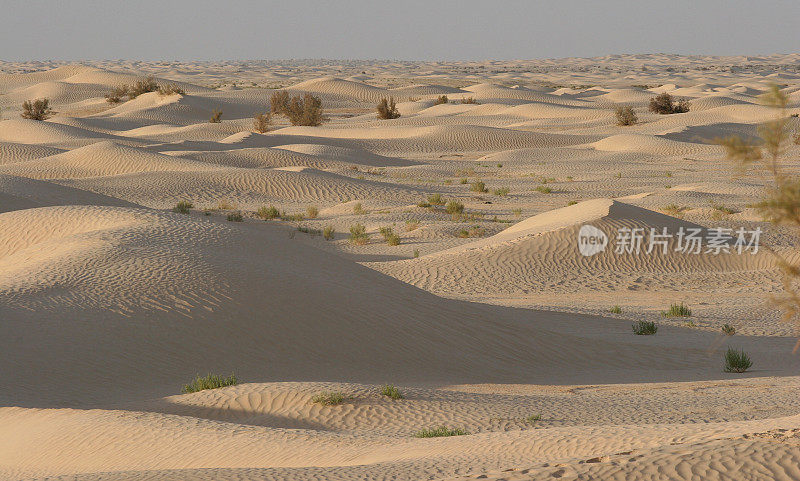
(543, 189)
(182, 207)
(261, 122)
(328, 398)
(279, 103)
(469, 100)
(674, 210)
(645, 328)
(142, 86)
(728, 329)
(737, 361)
(116, 94)
(387, 109)
(390, 236)
(210, 381)
(312, 212)
(435, 199)
(390, 391)
(502, 191)
(454, 207)
(615, 310)
(305, 110)
(474, 231)
(358, 209)
(442, 99)
(328, 232)
(677, 310)
(358, 235)
(268, 213)
(439, 432)
(412, 225)
(38, 109)
(626, 116)
(216, 116)
(478, 186)
(235, 217)
(664, 104)
(170, 89)
(533, 419)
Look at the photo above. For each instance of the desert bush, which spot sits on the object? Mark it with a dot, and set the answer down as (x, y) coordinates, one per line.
(543, 189)
(469, 100)
(261, 122)
(439, 432)
(645, 328)
(225, 205)
(677, 310)
(358, 209)
(416, 253)
(268, 213)
(478, 186)
(328, 232)
(116, 94)
(358, 234)
(235, 217)
(435, 199)
(664, 104)
(312, 212)
(533, 419)
(390, 391)
(615, 310)
(210, 381)
(305, 111)
(38, 109)
(502, 191)
(170, 89)
(454, 207)
(387, 109)
(737, 361)
(142, 86)
(216, 116)
(442, 99)
(626, 116)
(328, 398)
(674, 210)
(182, 207)
(279, 102)
(474, 231)
(728, 329)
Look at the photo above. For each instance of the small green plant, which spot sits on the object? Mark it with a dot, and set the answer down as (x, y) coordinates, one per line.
(645, 328)
(268, 213)
(210, 381)
(543, 189)
(235, 217)
(440, 432)
(454, 207)
(435, 199)
(328, 232)
(216, 116)
(626, 116)
(390, 391)
(615, 310)
(416, 253)
(677, 310)
(182, 207)
(533, 419)
(728, 329)
(474, 231)
(478, 186)
(358, 209)
(312, 212)
(442, 99)
(358, 235)
(572, 202)
(387, 109)
(424, 205)
(737, 361)
(38, 109)
(328, 398)
(464, 181)
(502, 191)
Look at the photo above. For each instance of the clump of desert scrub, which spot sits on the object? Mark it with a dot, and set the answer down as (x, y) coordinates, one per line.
(454, 207)
(358, 235)
(502, 191)
(474, 231)
(142, 86)
(533, 419)
(412, 225)
(645, 328)
(38, 109)
(235, 217)
(210, 381)
(677, 310)
(441, 431)
(358, 209)
(728, 330)
(261, 122)
(390, 391)
(312, 212)
(664, 104)
(478, 186)
(615, 310)
(268, 213)
(216, 116)
(116, 94)
(305, 110)
(279, 102)
(626, 116)
(543, 189)
(328, 398)
(328, 232)
(469, 100)
(387, 109)
(442, 99)
(182, 207)
(170, 89)
(737, 361)
(435, 199)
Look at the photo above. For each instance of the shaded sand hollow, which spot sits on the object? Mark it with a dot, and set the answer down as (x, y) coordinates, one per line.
(490, 320)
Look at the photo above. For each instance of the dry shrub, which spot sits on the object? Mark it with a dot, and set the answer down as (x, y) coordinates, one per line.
(664, 104)
(442, 99)
(142, 87)
(387, 109)
(279, 102)
(306, 111)
(626, 116)
(216, 116)
(261, 122)
(38, 109)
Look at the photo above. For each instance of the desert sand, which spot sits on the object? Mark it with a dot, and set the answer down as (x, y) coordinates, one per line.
(490, 321)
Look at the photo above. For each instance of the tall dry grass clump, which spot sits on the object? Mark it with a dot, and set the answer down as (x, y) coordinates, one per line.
(279, 102)
(626, 116)
(664, 104)
(387, 109)
(38, 109)
(261, 122)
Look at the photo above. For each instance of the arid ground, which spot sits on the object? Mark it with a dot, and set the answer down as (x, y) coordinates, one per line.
(484, 314)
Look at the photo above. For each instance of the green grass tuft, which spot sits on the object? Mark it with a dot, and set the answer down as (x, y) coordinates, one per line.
(645, 328)
(389, 390)
(328, 398)
(440, 432)
(677, 310)
(210, 381)
(737, 361)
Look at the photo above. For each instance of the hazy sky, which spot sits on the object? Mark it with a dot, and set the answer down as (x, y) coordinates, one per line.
(415, 30)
